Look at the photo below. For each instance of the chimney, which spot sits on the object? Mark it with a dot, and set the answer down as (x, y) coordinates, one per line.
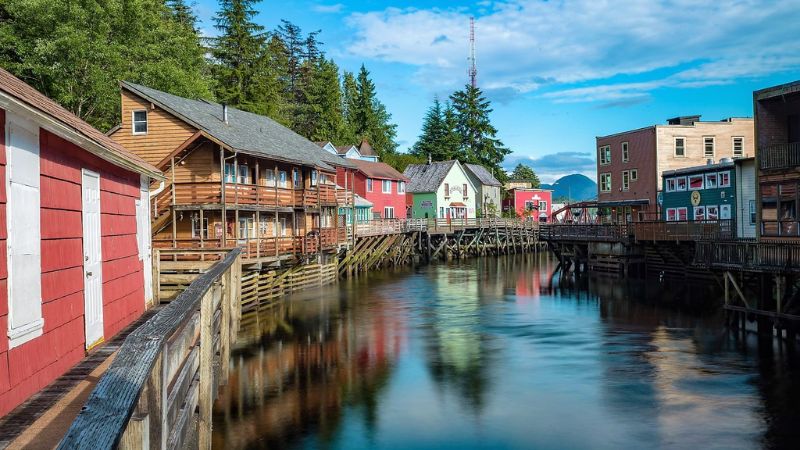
(225, 113)
(429, 159)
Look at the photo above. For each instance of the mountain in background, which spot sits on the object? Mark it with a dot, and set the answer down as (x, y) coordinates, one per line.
(576, 186)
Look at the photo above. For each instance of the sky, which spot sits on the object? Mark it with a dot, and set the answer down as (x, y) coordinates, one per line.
(558, 73)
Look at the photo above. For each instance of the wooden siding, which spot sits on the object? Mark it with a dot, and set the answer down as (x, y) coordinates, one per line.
(28, 368)
(164, 131)
(708, 197)
(745, 193)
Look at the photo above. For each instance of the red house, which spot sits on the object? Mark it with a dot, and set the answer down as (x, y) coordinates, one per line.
(75, 239)
(535, 203)
(379, 183)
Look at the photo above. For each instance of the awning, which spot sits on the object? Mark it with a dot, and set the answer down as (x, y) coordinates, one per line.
(457, 205)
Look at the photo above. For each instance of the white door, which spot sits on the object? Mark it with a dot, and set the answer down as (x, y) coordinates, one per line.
(92, 259)
(143, 238)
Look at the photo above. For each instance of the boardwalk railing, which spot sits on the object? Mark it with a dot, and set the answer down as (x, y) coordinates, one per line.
(585, 232)
(748, 255)
(396, 226)
(683, 231)
(779, 156)
(165, 369)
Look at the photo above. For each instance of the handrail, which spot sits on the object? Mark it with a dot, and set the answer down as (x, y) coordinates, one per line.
(779, 156)
(135, 376)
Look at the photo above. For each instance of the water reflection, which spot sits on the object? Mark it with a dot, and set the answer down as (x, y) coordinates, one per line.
(501, 353)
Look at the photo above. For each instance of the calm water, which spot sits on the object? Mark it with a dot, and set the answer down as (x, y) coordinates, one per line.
(490, 354)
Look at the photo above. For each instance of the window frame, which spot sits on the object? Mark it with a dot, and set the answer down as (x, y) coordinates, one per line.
(543, 205)
(689, 182)
(199, 233)
(702, 210)
(625, 152)
(634, 174)
(728, 211)
(673, 182)
(447, 189)
(385, 183)
(605, 155)
(673, 212)
(708, 212)
(753, 212)
(401, 187)
(712, 176)
(134, 122)
(464, 192)
(369, 185)
(626, 180)
(243, 174)
(606, 176)
(678, 181)
(682, 147)
(741, 146)
(727, 176)
(685, 212)
(713, 146)
(386, 212)
(230, 175)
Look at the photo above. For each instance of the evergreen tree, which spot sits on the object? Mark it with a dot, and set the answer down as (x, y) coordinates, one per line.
(478, 136)
(525, 173)
(183, 13)
(237, 52)
(320, 118)
(349, 108)
(76, 52)
(370, 120)
(440, 139)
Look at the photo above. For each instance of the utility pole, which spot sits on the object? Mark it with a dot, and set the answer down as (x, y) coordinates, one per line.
(473, 68)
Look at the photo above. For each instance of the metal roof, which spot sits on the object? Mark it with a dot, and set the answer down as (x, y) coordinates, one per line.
(482, 174)
(427, 177)
(244, 131)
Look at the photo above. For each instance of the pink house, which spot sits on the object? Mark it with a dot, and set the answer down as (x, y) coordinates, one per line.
(380, 184)
(536, 203)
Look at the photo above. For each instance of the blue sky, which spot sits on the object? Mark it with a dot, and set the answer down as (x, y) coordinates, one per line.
(559, 73)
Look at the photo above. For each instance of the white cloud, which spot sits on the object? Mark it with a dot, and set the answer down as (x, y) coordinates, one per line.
(526, 44)
(328, 9)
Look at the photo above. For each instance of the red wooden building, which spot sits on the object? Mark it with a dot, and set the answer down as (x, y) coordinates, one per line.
(534, 203)
(381, 184)
(74, 233)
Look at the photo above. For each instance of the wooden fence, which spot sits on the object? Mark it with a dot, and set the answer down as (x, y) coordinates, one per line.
(659, 230)
(749, 255)
(165, 370)
(585, 232)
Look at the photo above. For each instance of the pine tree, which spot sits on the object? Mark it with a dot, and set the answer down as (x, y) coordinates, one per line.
(183, 13)
(525, 173)
(478, 136)
(237, 51)
(369, 118)
(349, 108)
(440, 139)
(320, 117)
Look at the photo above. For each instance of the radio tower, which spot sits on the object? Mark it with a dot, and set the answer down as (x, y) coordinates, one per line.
(473, 69)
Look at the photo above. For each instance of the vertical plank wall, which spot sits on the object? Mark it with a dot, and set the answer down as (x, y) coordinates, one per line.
(26, 369)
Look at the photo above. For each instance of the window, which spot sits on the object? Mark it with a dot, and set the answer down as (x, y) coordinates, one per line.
(282, 175)
(708, 146)
(695, 182)
(625, 152)
(711, 181)
(441, 212)
(282, 224)
(680, 184)
(262, 225)
(712, 212)
(738, 146)
(197, 229)
(464, 192)
(672, 214)
(605, 182)
(313, 177)
(682, 213)
(269, 178)
(140, 122)
(752, 212)
(388, 212)
(605, 155)
(529, 205)
(725, 212)
(671, 185)
(447, 189)
(230, 173)
(680, 146)
(244, 174)
(724, 179)
(699, 213)
(386, 186)
(542, 205)
(401, 187)
(634, 174)
(246, 229)
(626, 180)
(369, 184)
(297, 178)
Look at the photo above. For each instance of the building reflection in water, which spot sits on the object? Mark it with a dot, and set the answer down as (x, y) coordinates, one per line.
(300, 362)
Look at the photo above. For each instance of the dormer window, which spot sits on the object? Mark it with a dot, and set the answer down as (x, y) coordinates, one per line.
(140, 122)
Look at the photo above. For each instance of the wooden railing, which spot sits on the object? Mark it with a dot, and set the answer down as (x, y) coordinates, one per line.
(683, 231)
(586, 232)
(395, 226)
(263, 247)
(779, 156)
(749, 255)
(165, 375)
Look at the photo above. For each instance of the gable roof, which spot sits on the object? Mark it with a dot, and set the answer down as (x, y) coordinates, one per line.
(70, 126)
(427, 177)
(378, 170)
(482, 174)
(343, 149)
(365, 149)
(244, 132)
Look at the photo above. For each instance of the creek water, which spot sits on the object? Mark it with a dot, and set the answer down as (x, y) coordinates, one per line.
(498, 353)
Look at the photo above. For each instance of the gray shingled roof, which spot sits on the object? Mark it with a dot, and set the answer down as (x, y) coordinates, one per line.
(484, 176)
(426, 177)
(245, 132)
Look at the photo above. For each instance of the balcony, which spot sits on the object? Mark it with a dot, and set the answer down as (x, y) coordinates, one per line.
(779, 156)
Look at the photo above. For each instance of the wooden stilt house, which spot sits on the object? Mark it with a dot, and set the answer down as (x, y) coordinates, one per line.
(234, 178)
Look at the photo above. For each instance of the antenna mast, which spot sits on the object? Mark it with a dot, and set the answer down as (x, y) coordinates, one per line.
(473, 69)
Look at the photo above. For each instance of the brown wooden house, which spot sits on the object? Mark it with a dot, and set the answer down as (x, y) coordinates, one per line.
(777, 118)
(233, 177)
